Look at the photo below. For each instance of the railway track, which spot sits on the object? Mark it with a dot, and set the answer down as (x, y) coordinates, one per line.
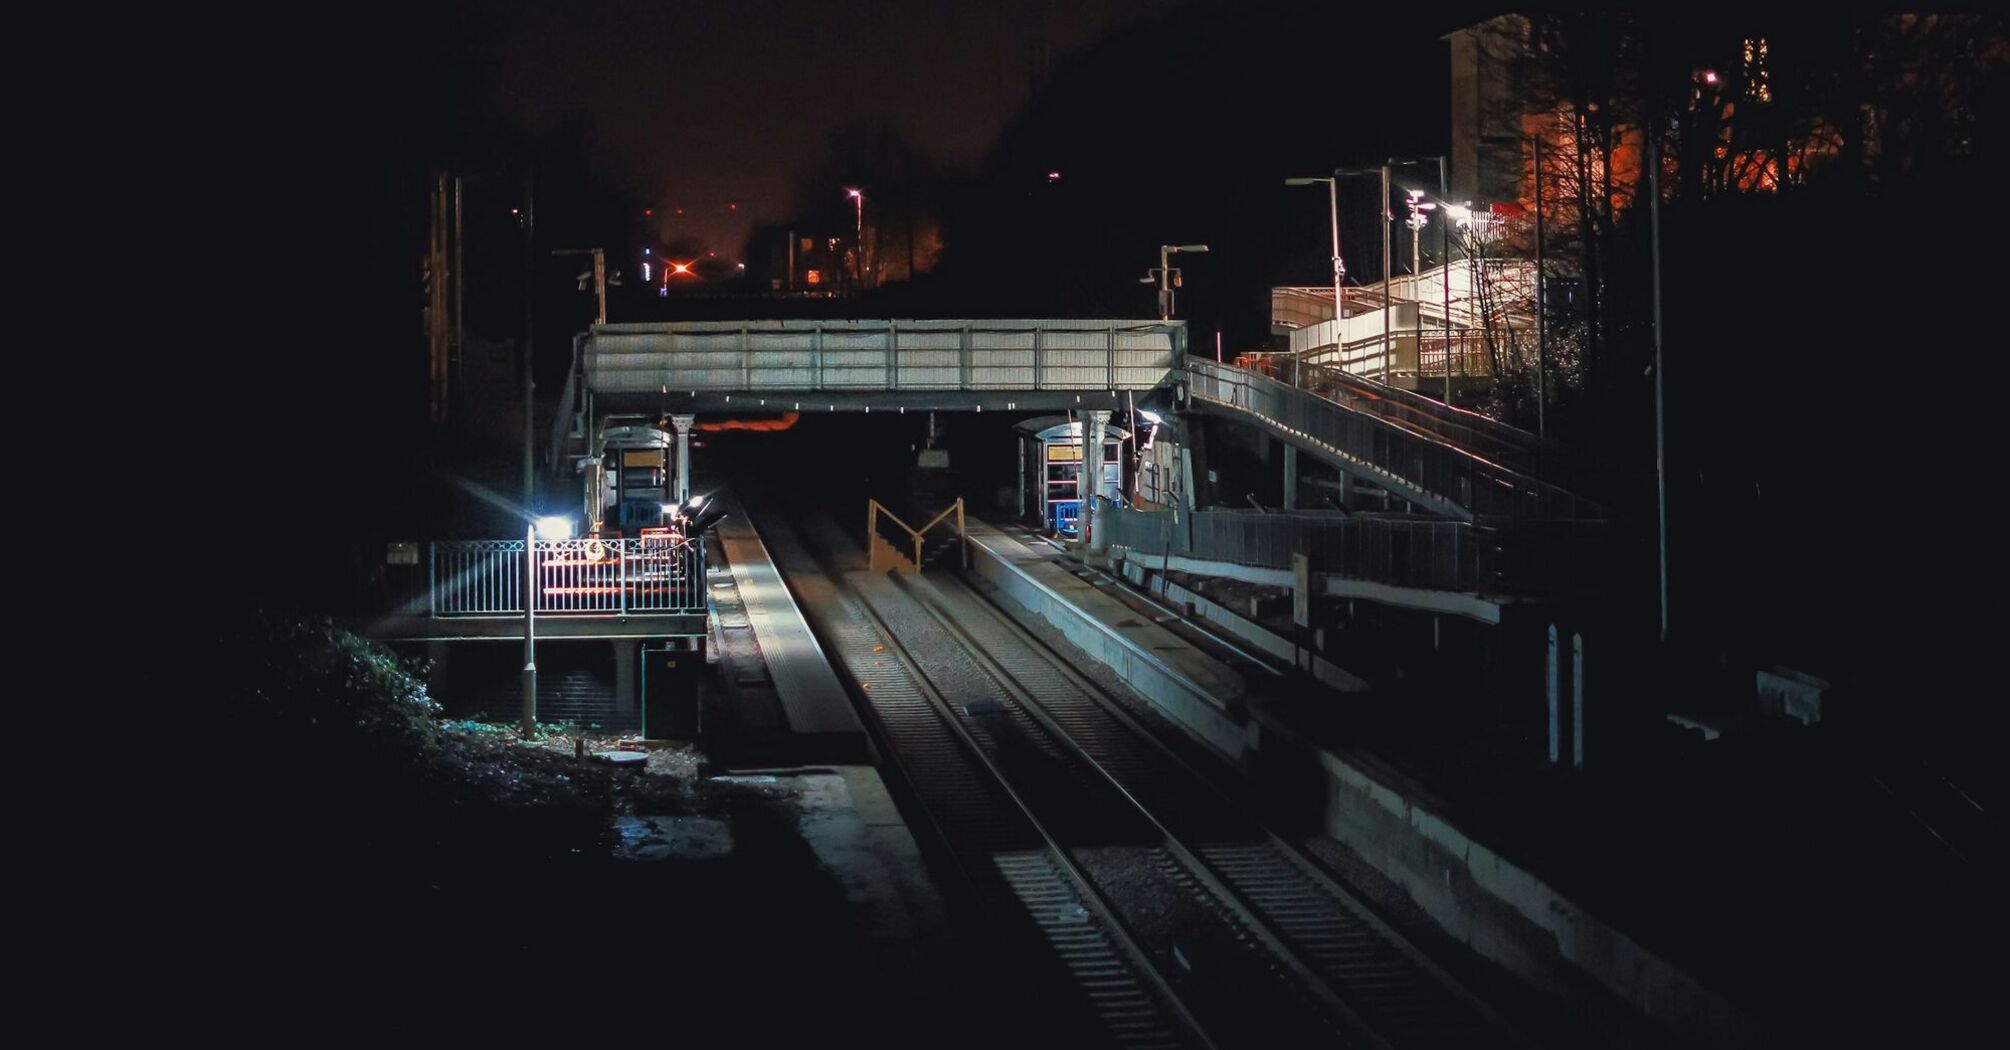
(1178, 918)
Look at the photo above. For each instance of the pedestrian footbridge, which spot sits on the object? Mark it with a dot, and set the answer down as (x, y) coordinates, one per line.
(1492, 502)
(835, 366)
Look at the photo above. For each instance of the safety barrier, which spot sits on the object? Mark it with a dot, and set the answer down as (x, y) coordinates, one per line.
(590, 577)
(1431, 555)
(1508, 559)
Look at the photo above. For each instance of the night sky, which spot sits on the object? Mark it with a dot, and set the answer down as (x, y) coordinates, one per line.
(702, 104)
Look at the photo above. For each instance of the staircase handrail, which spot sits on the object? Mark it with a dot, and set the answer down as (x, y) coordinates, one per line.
(875, 508)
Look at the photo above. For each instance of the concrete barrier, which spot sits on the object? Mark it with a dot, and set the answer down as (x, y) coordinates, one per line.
(1512, 917)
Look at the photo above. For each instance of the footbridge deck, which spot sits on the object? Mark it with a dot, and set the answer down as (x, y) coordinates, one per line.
(812, 366)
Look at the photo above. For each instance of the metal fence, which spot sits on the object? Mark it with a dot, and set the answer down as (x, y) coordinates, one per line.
(1424, 470)
(1402, 552)
(1549, 558)
(574, 577)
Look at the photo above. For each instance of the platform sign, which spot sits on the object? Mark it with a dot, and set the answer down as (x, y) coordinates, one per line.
(1301, 590)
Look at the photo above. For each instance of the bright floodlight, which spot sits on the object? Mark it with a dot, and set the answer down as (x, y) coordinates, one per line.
(1149, 416)
(696, 502)
(1458, 212)
(851, 193)
(554, 528)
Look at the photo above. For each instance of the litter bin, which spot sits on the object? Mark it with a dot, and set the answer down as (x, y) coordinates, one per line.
(673, 685)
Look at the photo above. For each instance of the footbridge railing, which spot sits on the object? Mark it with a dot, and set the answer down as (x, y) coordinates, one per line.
(951, 518)
(1483, 436)
(1436, 475)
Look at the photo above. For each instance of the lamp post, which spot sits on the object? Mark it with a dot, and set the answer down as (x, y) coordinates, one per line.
(553, 528)
(1385, 217)
(1388, 219)
(598, 275)
(1165, 275)
(1420, 217)
(1417, 224)
(858, 233)
(1339, 266)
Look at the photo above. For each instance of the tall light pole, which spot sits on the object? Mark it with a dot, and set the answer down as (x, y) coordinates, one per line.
(599, 277)
(1660, 437)
(1165, 275)
(1445, 273)
(1541, 309)
(1385, 217)
(1420, 217)
(1444, 256)
(554, 529)
(1339, 266)
(529, 216)
(1388, 269)
(858, 234)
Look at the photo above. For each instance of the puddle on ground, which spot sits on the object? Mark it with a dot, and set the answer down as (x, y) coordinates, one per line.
(672, 838)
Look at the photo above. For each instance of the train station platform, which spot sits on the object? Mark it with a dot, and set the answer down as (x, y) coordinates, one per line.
(778, 661)
(1201, 692)
(1426, 850)
(1720, 889)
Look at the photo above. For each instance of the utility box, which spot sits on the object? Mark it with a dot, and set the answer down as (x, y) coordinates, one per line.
(673, 689)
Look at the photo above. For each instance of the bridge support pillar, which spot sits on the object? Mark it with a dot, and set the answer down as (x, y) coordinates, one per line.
(1095, 423)
(1290, 476)
(683, 425)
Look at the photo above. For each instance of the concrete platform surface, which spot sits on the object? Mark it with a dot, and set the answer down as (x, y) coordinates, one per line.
(812, 699)
(1201, 692)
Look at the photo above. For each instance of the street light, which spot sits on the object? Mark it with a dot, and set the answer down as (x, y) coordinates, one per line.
(1165, 275)
(1444, 250)
(1420, 217)
(598, 275)
(1339, 267)
(552, 529)
(858, 233)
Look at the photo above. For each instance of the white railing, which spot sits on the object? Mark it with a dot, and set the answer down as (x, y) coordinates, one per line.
(587, 577)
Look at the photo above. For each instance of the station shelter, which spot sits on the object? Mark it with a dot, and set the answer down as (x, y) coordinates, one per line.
(1050, 471)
